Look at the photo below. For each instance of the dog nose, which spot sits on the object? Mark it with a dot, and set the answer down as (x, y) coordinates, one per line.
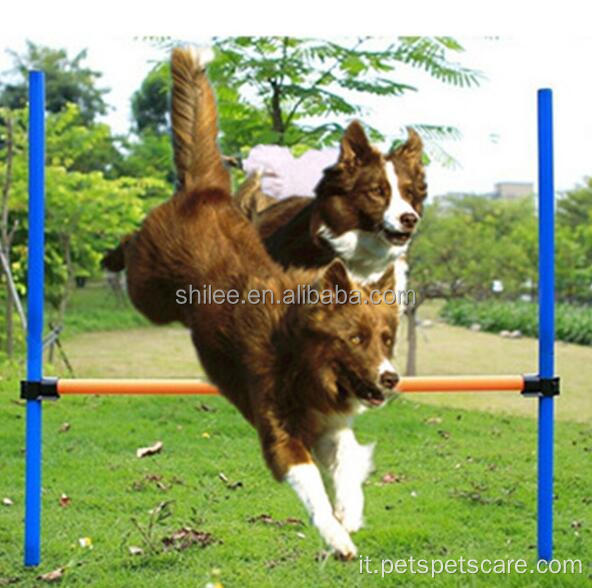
(409, 220)
(389, 380)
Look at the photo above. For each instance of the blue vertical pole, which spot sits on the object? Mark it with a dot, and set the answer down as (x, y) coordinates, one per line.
(546, 322)
(35, 315)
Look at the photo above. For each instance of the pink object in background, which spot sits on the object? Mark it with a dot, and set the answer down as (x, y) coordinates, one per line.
(285, 175)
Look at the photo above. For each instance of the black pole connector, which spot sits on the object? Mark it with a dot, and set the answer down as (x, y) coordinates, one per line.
(47, 388)
(534, 385)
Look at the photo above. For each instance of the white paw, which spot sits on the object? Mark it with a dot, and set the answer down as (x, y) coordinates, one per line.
(351, 518)
(337, 538)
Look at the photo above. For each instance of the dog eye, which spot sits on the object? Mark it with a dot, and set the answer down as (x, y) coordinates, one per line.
(388, 340)
(356, 339)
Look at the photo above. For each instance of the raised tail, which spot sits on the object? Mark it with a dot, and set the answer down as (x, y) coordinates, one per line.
(197, 157)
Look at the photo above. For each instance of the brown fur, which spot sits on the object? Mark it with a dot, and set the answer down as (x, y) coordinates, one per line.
(352, 194)
(193, 115)
(250, 198)
(408, 160)
(114, 260)
(282, 365)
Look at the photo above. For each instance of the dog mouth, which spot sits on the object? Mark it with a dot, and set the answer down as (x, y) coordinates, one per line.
(368, 394)
(396, 237)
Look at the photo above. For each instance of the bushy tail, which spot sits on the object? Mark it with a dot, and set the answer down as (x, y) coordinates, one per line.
(197, 157)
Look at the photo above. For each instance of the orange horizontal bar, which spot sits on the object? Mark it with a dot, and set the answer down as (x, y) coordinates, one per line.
(134, 387)
(462, 384)
(181, 387)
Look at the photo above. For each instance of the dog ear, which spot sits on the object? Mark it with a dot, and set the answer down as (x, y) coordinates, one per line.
(334, 284)
(412, 150)
(408, 160)
(355, 147)
(386, 282)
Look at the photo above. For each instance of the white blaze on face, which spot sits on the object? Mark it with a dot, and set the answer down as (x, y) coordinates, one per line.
(385, 367)
(398, 206)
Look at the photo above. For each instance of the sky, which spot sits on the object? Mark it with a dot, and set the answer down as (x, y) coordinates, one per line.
(497, 120)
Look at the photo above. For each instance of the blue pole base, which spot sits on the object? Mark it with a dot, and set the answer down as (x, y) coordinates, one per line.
(33, 484)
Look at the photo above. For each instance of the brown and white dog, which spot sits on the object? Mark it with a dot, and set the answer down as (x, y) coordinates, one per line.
(366, 209)
(299, 373)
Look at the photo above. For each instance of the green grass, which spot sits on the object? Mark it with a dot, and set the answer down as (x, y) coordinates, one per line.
(95, 308)
(467, 478)
(468, 489)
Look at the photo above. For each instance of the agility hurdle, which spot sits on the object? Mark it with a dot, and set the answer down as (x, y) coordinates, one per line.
(36, 388)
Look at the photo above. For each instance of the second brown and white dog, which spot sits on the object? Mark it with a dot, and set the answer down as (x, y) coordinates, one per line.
(366, 210)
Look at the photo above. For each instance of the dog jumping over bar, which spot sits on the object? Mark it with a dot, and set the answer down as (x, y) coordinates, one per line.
(299, 373)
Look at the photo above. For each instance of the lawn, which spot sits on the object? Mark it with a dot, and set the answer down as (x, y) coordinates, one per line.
(458, 482)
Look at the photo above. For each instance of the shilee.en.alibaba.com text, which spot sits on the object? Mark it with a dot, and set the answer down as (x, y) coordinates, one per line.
(302, 294)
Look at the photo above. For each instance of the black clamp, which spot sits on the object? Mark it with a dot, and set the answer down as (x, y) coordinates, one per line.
(534, 385)
(47, 388)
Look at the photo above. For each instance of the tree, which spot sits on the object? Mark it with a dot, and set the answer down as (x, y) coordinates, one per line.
(149, 154)
(150, 107)
(12, 141)
(466, 242)
(86, 212)
(574, 208)
(67, 81)
(278, 90)
(574, 244)
(298, 81)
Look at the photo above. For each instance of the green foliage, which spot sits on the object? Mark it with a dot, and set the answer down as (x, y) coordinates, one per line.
(575, 207)
(70, 90)
(282, 90)
(149, 154)
(150, 104)
(67, 82)
(78, 146)
(86, 212)
(466, 242)
(573, 324)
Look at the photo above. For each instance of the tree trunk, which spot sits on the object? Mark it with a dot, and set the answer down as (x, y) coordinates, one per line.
(69, 279)
(6, 237)
(9, 321)
(276, 112)
(411, 314)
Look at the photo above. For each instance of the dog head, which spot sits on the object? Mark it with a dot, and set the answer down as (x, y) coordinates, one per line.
(368, 191)
(349, 337)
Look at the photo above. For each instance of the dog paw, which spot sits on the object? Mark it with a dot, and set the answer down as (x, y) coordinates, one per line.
(345, 551)
(345, 556)
(338, 539)
(351, 519)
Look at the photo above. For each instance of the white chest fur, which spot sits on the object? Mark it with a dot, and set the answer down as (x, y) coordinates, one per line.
(367, 255)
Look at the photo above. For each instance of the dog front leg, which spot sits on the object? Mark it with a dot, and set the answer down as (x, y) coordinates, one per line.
(349, 464)
(306, 481)
(289, 460)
